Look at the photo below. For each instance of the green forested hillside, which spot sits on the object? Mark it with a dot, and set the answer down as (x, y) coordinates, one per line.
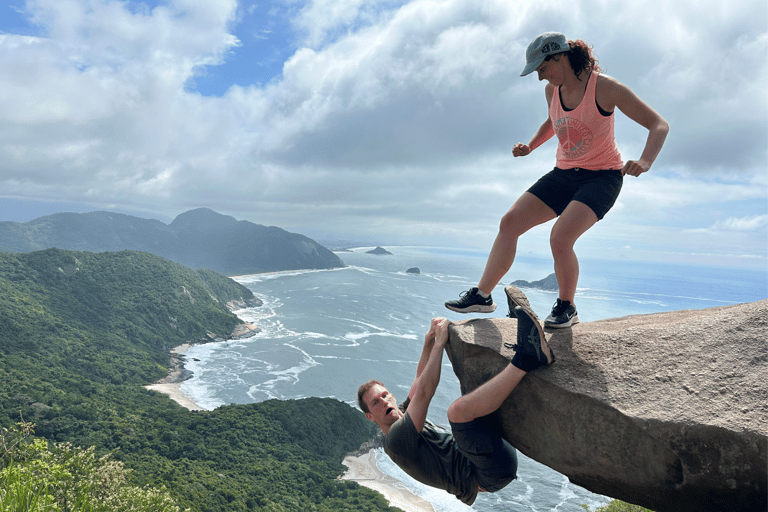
(80, 333)
(110, 316)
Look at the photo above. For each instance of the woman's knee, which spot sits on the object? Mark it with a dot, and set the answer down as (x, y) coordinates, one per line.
(561, 245)
(527, 212)
(513, 223)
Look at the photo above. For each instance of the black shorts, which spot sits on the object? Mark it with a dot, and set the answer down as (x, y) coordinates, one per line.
(596, 189)
(494, 459)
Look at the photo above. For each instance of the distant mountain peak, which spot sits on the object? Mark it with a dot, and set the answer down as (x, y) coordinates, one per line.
(201, 218)
(200, 238)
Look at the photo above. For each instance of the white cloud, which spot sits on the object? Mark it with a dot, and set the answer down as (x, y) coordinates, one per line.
(325, 20)
(389, 114)
(749, 223)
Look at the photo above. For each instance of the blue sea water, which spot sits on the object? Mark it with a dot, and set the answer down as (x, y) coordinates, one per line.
(325, 332)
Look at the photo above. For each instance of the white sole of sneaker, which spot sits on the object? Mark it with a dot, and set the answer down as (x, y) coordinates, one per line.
(569, 323)
(516, 297)
(474, 309)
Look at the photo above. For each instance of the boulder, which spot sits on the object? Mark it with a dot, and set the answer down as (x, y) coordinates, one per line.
(413, 270)
(668, 411)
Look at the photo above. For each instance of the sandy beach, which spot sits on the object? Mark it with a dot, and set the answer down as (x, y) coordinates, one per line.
(174, 391)
(363, 470)
(171, 384)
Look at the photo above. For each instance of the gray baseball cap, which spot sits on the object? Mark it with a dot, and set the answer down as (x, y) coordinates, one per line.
(548, 43)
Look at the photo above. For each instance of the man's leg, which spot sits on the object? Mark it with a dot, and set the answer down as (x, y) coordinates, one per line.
(486, 398)
(531, 351)
(494, 459)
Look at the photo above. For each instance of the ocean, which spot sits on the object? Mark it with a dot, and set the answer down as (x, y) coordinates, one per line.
(324, 332)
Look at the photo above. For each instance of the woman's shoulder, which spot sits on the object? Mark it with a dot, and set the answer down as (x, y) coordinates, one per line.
(549, 92)
(608, 91)
(609, 83)
(605, 80)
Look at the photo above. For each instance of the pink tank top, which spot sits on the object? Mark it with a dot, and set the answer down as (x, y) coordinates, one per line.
(585, 136)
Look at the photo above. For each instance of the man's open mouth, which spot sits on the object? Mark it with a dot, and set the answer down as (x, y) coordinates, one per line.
(390, 410)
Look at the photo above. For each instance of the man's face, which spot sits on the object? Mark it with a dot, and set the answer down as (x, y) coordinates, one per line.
(382, 406)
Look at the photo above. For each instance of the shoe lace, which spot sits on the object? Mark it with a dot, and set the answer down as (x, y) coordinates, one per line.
(467, 296)
(559, 307)
(533, 340)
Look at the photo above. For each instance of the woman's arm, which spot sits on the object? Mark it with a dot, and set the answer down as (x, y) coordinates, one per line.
(612, 94)
(542, 135)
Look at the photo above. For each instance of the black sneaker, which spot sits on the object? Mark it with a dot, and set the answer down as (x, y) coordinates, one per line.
(516, 297)
(563, 314)
(471, 302)
(532, 349)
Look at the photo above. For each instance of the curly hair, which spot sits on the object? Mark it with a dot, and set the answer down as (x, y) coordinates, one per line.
(581, 58)
(362, 390)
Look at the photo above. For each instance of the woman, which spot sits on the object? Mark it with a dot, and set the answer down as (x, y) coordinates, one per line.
(588, 175)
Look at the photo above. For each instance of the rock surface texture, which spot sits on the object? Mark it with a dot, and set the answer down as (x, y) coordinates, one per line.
(668, 411)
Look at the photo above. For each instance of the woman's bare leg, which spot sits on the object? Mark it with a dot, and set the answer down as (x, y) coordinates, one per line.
(574, 222)
(527, 212)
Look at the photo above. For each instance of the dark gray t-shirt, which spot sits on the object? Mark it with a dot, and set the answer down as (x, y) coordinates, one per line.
(431, 457)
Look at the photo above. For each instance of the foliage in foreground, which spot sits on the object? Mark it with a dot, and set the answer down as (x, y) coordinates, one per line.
(619, 506)
(80, 333)
(34, 477)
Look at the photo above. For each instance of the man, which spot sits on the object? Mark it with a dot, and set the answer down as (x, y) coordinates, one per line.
(473, 457)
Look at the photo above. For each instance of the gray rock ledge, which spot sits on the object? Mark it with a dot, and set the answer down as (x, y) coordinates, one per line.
(668, 411)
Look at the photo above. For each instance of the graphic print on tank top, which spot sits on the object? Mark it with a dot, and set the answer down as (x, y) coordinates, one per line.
(575, 137)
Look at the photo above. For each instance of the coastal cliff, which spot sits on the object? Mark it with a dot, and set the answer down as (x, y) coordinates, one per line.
(668, 411)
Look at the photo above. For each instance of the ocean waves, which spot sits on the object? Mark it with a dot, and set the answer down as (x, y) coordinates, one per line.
(324, 332)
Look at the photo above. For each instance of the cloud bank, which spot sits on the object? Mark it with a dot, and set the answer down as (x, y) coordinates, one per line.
(390, 120)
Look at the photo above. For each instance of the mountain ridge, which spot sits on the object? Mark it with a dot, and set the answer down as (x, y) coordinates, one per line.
(199, 238)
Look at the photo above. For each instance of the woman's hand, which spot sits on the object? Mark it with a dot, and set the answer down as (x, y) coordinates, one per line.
(635, 168)
(521, 149)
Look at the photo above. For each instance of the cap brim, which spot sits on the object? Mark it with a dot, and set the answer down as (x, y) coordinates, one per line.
(532, 65)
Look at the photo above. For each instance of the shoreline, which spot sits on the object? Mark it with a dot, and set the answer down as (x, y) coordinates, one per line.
(363, 470)
(171, 384)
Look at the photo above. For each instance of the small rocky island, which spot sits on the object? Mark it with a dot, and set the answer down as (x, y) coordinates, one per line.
(379, 251)
(549, 283)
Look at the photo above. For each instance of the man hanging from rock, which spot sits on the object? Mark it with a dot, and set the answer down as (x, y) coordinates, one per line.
(473, 457)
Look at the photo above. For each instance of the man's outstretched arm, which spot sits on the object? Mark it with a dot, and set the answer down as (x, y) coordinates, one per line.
(428, 371)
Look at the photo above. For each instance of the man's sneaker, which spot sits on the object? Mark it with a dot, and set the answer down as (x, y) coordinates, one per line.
(516, 297)
(471, 302)
(563, 315)
(532, 349)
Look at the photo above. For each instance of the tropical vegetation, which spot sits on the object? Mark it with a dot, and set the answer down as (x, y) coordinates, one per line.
(81, 333)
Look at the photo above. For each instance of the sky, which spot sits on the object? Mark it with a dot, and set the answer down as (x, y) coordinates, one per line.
(385, 121)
